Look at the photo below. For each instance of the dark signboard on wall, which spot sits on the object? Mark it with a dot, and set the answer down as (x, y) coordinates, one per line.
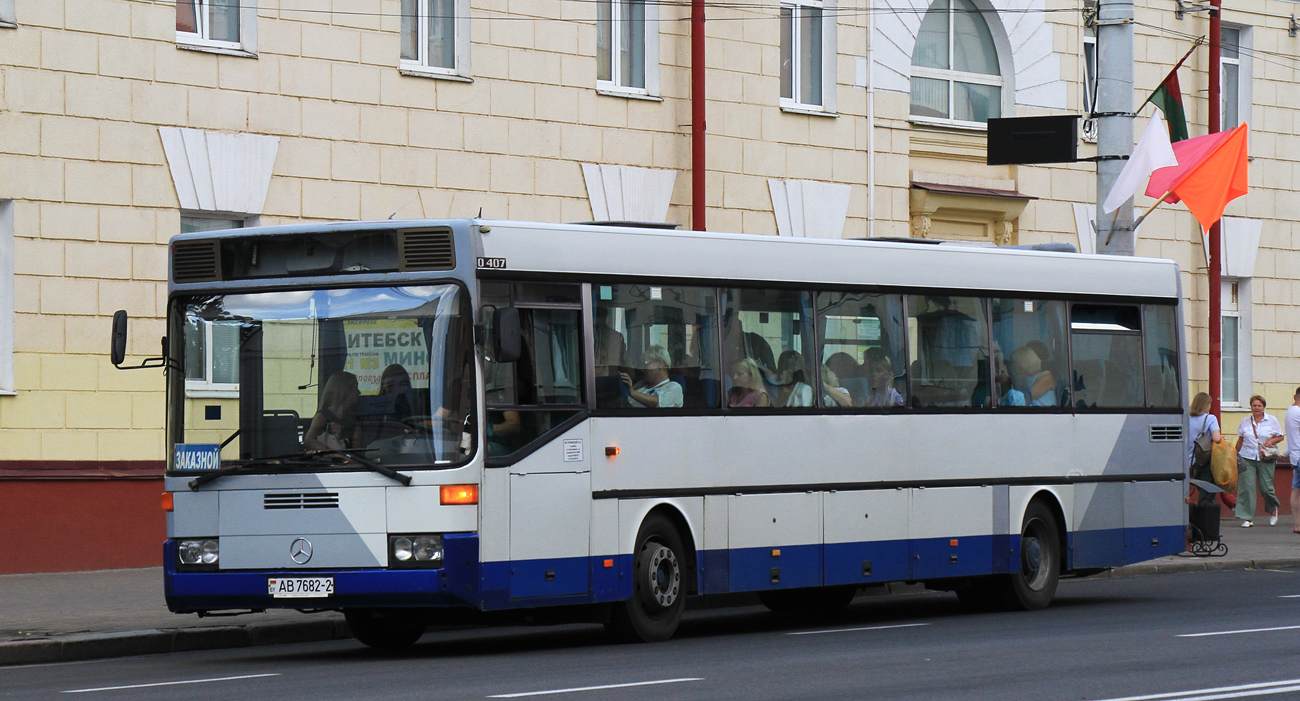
(1025, 140)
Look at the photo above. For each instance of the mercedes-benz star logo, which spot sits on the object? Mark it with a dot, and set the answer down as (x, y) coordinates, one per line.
(300, 551)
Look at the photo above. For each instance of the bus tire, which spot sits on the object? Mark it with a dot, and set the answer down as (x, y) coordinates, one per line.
(1033, 584)
(817, 602)
(658, 586)
(384, 630)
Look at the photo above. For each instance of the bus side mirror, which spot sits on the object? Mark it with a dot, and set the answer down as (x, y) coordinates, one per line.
(507, 340)
(118, 350)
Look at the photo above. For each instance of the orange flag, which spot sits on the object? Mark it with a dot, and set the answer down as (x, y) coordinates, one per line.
(1219, 177)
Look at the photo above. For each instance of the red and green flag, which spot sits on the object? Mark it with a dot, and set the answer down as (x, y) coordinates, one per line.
(1168, 98)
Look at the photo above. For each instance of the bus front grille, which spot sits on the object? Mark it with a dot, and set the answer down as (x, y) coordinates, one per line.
(300, 500)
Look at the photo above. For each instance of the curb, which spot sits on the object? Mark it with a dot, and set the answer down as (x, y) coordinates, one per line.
(89, 646)
(1201, 564)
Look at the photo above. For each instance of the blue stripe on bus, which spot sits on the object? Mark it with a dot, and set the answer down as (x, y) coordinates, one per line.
(463, 581)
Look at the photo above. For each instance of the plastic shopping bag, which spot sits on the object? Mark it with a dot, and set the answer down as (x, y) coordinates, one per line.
(1223, 464)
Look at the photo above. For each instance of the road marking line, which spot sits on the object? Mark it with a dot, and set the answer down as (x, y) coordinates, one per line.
(1221, 692)
(854, 630)
(1235, 632)
(594, 688)
(187, 681)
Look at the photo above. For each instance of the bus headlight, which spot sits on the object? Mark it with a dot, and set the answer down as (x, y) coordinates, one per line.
(199, 552)
(415, 551)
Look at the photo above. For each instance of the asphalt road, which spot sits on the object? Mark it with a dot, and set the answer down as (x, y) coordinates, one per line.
(1183, 637)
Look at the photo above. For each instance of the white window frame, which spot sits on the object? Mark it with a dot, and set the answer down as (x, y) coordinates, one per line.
(1005, 86)
(1243, 64)
(830, 25)
(201, 41)
(1238, 308)
(650, 60)
(7, 386)
(461, 29)
(7, 16)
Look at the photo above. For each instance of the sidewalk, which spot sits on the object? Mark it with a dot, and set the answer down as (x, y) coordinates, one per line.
(111, 613)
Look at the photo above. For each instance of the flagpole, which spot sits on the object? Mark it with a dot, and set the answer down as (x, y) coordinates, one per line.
(1199, 40)
(1138, 222)
(1216, 280)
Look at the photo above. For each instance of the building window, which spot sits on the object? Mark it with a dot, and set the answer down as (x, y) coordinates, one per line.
(435, 37)
(807, 55)
(7, 17)
(956, 75)
(1236, 338)
(1234, 77)
(226, 26)
(6, 297)
(627, 41)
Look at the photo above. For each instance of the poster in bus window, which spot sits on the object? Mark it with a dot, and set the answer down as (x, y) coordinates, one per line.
(374, 344)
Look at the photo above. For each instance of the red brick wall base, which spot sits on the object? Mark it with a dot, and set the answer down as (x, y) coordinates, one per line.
(61, 525)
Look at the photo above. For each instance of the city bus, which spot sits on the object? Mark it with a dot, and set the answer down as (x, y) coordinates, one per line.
(419, 422)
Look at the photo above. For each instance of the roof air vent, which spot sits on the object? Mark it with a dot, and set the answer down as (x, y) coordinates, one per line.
(196, 261)
(426, 250)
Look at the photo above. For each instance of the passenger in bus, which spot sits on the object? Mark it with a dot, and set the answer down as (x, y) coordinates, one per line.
(747, 385)
(396, 382)
(334, 425)
(832, 394)
(792, 390)
(655, 390)
(880, 380)
(1008, 395)
(611, 349)
(1038, 385)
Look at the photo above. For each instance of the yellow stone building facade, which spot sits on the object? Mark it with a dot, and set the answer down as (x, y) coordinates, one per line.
(123, 122)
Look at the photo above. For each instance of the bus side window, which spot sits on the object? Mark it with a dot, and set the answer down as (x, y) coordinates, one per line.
(535, 394)
(1029, 353)
(1163, 382)
(655, 347)
(863, 364)
(1106, 346)
(948, 338)
(769, 351)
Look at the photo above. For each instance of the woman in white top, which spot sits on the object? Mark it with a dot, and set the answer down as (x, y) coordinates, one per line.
(1202, 423)
(1256, 432)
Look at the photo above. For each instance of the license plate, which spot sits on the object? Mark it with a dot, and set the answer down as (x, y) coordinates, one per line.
(300, 587)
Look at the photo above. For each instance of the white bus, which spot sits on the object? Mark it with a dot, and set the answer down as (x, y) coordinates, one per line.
(416, 421)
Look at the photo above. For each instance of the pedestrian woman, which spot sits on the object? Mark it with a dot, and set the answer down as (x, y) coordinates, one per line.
(1202, 423)
(1257, 433)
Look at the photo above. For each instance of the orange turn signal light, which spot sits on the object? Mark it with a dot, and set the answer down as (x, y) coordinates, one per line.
(167, 502)
(609, 563)
(952, 543)
(459, 494)
(611, 451)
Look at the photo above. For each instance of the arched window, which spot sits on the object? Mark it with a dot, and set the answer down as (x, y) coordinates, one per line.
(955, 71)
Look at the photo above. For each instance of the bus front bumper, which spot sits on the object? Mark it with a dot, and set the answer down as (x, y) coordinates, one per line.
(455, 584)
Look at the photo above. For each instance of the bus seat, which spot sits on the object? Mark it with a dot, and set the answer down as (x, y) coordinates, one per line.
(610, 392)
(698, 392)
(280, 433)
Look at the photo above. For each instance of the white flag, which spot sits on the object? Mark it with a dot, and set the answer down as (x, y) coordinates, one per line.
(1153, 151)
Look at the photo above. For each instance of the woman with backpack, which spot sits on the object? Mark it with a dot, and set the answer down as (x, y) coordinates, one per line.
(1202, 423)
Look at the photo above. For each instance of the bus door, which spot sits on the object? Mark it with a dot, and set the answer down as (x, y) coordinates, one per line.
(535, 434)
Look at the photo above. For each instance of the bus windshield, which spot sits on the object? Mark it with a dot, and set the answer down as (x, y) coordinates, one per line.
(384, 373)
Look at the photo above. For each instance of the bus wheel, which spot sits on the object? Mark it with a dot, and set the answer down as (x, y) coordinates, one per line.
(384, 630)
(1034, 584)
(658, 587)
(821, 601)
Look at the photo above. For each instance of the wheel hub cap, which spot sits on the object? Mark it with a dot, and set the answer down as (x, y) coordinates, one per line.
(665, 576)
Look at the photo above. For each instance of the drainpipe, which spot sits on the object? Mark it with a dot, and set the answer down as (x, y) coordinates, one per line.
(871, 124)
(1214, 241)
(698, 172)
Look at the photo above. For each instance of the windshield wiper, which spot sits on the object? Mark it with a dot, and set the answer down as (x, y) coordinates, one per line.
(297, 460)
